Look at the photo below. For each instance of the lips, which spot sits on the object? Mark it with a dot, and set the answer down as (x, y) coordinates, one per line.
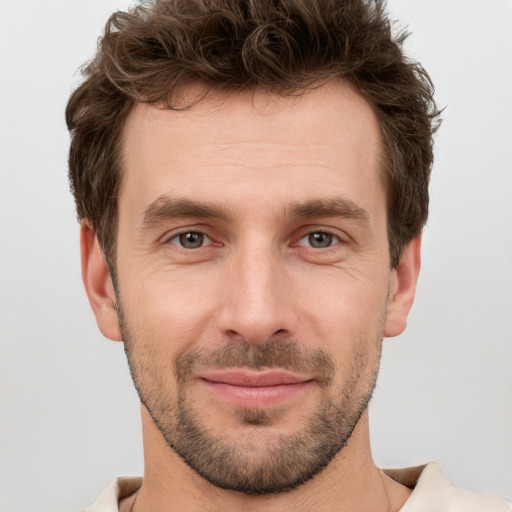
(255, 389)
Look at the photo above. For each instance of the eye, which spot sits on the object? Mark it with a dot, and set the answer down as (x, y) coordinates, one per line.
(191, 240)
(319, 240)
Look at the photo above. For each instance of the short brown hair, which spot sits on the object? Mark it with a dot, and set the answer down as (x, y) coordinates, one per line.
(280, 46)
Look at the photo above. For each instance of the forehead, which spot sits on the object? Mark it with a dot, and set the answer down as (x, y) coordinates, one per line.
(305, 144)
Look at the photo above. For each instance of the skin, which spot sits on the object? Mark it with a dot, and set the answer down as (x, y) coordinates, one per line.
(256, 278)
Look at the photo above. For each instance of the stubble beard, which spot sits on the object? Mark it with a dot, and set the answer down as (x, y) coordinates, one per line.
(282, 462)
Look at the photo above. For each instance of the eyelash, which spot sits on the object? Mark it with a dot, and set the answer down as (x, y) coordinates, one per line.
(177, 240)
(335, 239)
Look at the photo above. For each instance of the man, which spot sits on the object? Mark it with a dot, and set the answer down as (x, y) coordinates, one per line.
(252, 182)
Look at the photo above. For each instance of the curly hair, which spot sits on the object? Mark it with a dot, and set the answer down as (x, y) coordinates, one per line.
(283, 47)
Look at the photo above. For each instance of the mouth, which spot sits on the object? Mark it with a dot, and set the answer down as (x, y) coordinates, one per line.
(255, 389)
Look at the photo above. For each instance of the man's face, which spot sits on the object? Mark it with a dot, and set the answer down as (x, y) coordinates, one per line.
(253, 279)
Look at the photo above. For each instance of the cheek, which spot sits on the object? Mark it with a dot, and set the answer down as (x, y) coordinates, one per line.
(343, 305)
(170, 309)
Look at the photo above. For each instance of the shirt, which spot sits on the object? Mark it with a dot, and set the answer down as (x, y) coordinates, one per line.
(432, 493)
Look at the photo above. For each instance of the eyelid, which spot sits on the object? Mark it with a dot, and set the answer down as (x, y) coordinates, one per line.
(335, 241)
(206, 241)
(174, 233)
(342, 237)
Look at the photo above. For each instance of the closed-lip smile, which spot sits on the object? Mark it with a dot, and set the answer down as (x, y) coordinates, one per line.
(255, 389)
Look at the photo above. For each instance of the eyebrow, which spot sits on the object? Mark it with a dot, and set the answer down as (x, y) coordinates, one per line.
(334, 207)
(166, 208)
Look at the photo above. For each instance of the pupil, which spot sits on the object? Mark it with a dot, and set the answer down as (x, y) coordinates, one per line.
(191, 240)
(320, 240)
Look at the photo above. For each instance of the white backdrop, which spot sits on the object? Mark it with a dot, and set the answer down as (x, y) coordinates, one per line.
(69, 418)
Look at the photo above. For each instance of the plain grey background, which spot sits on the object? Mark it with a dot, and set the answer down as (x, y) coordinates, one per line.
(69, 418)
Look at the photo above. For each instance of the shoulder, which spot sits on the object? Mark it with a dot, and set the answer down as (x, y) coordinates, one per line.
(433, 492)
(120, 488)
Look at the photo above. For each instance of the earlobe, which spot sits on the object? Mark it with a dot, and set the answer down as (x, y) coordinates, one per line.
(98, 283)
(402, 288)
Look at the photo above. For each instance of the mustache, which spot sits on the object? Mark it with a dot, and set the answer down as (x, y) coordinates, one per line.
(274, 353)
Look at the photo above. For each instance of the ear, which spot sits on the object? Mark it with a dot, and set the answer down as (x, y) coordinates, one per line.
(402, 288)
(98, 283)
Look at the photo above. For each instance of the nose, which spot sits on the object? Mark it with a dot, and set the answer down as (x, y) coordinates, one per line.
(258, 301)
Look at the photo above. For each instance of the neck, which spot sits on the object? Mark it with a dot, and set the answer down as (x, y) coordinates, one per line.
(350, 482)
